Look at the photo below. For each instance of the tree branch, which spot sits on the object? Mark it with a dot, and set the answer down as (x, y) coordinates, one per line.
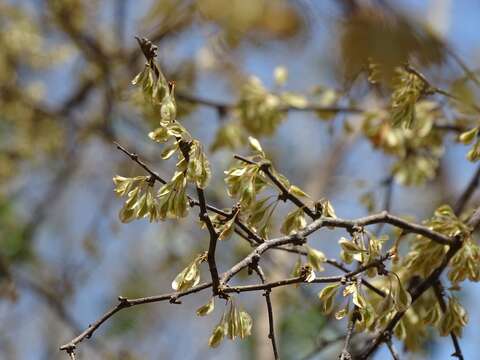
(295, 239)
(174, 296)
(345, 354)
(468, 73)
(271, 326)
(222, 107)
(300, 237)
(213, 240)
(125, 303)
(392, 350)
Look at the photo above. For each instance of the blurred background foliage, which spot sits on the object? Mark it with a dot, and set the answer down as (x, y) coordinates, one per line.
(65, 96)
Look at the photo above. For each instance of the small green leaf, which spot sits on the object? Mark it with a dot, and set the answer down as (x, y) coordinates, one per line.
(328, 210)
(315, 258)
(207, 308)
(295, 190)
(280, 74)
(217, 335)
(341, 313)
(169, 151)
(190, 276)
(168, 109)
(227, 229)
(297, 268)
(126, 215)
(358, 299)
(309, 273)
(294, 221)
(328, 291)
(468, 136)
(350, 246)
(433, 315)
(255, 144)
(159, 135)
(403, 299)
(232, 322)
(245, 328)
(327, 296)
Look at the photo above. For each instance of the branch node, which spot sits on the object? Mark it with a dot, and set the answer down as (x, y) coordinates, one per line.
(298, 239)
(457, 355)
(151, 180)
(265, 165)
(148, 48)
(69, 348)
(345, 355)
(124, 302)
(255, 260)
(174, 300)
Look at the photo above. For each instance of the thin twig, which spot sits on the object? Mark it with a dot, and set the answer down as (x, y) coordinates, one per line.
(345, 354)
(71, 354)
(396, 221)
(134, 157)
(173, 298)
(300, 237)
(430, 89)
(267, 169)
(271, 334)
(271, 325)
(222, 107)
(364, 282)
(469, 73)
(468, 192)
(213, 240)
(300, 279)
(392, 350)
(125, 303)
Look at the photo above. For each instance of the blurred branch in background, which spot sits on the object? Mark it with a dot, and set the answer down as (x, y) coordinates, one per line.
(323, 85)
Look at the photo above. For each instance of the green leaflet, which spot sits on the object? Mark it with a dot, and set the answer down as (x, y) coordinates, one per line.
(260, 111)
(316, 258)
(140, 202)
(207, 308)
(407, 92)
(327, 297)
(294, 221)
(217, 335)
(402, 297)
(234, 323)
(468, 136)
(190, 276)
(454, 319)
